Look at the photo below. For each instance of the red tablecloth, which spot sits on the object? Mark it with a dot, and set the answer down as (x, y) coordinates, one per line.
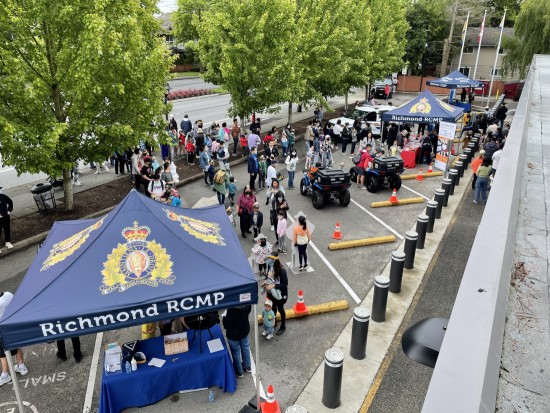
(409, 159)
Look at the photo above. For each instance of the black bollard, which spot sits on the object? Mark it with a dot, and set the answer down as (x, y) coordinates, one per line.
(396, 271)
(421, 226)
(452, 176)
(359, 333)
(295, 409)
(468, 153)
(380, 298)
(431, 209)
(410, 249)
(472, 147)
(464, 160)
(439, 197)
(475, 141)
(446, 186)
(459, 165)
(332, 381)
(457, 177)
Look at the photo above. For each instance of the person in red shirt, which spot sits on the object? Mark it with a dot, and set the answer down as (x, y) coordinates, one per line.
(363, 165)
(190, 148)
(181, 142)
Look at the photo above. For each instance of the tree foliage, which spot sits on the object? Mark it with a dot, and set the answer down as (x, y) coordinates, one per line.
(187, 16)
(531, 36)
(79, 79)
(428, 24)
(497, 7)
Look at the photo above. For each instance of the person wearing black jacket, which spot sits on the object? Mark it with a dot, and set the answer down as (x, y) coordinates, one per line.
(281, 283)
(237, 328)
(6, 208)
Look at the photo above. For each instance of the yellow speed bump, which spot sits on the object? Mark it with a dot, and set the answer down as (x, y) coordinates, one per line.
(360, 242)
(426, 175)
(405, 201)
(314, 310)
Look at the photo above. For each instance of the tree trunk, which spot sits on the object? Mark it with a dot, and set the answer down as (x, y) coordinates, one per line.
(346, 102)
(68, 189)
(366, 92)
(289, 120)
(243, 125)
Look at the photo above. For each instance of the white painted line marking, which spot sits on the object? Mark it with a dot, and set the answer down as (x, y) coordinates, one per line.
(414, 192)
(253, 368)
(397, 234)
(333, 270)
(93, 372)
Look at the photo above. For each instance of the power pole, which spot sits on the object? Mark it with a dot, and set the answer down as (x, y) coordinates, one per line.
(447, 44)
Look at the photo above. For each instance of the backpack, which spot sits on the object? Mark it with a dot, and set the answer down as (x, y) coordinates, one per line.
(221, 154)
(219, 177)
(356, 158)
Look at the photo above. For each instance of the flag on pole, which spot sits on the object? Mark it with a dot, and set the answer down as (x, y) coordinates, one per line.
(501, 25)
(480, 36)
(464, 29)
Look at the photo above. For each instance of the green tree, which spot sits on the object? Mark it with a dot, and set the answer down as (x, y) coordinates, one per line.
(187, 18)
(531, 36)
(79, 80)
(428, 24)
(243, 46)
(497, 11)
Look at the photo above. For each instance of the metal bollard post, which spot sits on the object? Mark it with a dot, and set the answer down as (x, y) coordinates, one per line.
(459, 165)
(421, 227)
(439, 196)
(452, 176)
(295, 409)
(464, 160)
(472, 147)
(446, 186)
(332, 381)
(396, 271)
(380, 298)
(410, 249)
(475, 141)
(457, 177)
(431, 209)
(359, 333)
(468, 153)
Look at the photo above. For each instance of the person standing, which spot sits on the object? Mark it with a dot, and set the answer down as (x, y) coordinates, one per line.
(6, 208)
(186, 125)
(235, 134)
(337, 131)
(62, 352)
(482, 182)
(204, 162)
(221, 185)
(386, 91)
(301, 239)
(237, 328)
(279, 276)
(463, 94)
(291, 162)
(500, 115)
(5, 299)
(136, 168)
(245, 203)
(253, 141)
(308, 136)
(271, 173)
(253, 167)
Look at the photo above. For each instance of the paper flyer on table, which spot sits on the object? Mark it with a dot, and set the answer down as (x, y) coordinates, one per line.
(215, 345)
(155, 362)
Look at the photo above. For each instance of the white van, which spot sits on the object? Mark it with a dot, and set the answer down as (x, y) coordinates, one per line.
(370, 114)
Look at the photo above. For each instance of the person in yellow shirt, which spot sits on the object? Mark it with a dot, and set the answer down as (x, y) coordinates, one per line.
(301, 238)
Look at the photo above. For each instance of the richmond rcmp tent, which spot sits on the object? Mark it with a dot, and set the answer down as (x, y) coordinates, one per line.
(455, 80)
(144, 261)
(425, 108)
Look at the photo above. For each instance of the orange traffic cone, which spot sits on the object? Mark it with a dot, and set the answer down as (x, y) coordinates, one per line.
(270, 405)
(430, 170)
(420, 177)
(337, 234)
(300, 307)
(393, 197)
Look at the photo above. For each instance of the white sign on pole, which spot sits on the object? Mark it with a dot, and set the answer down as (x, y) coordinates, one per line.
(446, 135)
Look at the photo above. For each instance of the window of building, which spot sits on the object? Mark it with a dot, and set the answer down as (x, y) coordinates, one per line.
(495, 72)
(465, 71)
(468, 49)
(170, 40)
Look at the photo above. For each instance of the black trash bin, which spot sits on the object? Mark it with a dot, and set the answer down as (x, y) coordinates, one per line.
(44, 196)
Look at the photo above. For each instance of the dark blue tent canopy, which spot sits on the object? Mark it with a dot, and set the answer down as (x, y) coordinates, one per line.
(142, 262)
(425, 108)
(455, 80)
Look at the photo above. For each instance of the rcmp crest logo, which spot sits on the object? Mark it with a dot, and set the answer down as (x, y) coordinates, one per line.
(138, 262)
(63, 249)
(205, 231)
(421, 107)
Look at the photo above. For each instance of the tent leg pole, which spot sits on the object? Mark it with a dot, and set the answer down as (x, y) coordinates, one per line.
(257, 357)
(14, 381)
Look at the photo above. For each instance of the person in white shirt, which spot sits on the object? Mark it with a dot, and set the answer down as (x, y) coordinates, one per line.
(271, 173)
(337, 131)
(496, 159)
(156, 187)
(5, 299)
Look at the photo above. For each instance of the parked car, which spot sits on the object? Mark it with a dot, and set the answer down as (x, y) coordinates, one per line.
(380, 88)
(367, 113)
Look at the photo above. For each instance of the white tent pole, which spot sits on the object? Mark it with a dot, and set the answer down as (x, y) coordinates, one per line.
(14, 381)
(479, 43)
(496, 58)
(257, 356)
(463, 40)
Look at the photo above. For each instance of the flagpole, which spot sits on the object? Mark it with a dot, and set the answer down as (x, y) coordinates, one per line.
(479, 43)
(464, 30)
(496, 57)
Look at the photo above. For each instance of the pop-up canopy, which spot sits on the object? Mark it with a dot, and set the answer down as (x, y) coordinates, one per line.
(425, 108)
(455, 80)
(144, 261)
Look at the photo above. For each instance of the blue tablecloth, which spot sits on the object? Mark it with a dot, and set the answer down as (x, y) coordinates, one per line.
(191, 370)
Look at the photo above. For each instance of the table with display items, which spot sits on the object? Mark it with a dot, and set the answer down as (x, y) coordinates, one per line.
(410, 155)
(184, 371)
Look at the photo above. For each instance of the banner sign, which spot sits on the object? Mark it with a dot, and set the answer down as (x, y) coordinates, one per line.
(446, 137)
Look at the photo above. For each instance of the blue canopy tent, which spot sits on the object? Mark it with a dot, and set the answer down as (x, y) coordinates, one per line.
(144, 261)
(455, 80)
(425, 108)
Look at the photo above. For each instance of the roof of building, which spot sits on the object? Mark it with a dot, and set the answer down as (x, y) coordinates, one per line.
(165, 21)
(490, 35)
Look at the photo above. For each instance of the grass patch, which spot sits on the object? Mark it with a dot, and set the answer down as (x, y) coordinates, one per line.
(182, 75)
(219, 90)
